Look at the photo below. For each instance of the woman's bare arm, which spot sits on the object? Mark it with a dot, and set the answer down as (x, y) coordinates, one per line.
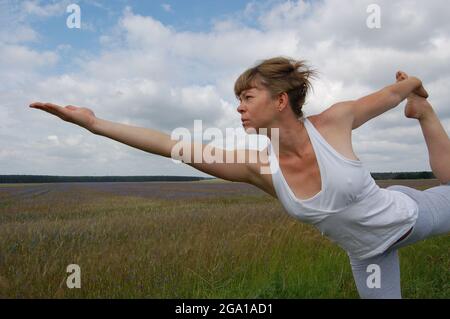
(155, 142)
(349, 115)
(145, 139)
(159, 143)
(357, 112)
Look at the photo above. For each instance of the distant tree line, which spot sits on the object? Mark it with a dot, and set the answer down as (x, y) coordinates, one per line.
(4, 179)
(403, 175)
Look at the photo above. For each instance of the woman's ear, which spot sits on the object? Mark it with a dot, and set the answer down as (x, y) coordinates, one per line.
(283, 101)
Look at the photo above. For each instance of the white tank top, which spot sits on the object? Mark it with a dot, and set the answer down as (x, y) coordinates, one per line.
(351, 209)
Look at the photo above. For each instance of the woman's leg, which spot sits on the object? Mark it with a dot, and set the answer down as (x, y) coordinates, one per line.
(378, 277)
(437, 141)
(440, 208)
(436, 138)
(434, 212)
(433, 220)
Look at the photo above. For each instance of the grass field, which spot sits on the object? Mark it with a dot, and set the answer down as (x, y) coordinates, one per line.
(182, 240)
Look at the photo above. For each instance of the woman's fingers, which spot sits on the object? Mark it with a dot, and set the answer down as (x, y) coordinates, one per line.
(77, 115)
(46, 106)
(421, 92)
(49, 107)
(36, 105)
(400, 76)
(40, 105)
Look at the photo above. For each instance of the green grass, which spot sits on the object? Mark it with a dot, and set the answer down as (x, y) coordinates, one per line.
(230, 247)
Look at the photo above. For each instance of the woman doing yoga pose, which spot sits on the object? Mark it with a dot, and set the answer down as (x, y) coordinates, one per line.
(316, 175)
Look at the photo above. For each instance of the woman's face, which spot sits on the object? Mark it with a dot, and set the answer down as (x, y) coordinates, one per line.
(257, 109)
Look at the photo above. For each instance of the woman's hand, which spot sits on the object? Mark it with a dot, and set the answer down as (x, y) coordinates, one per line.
(81, 116)
(417, 105)
(420, 91)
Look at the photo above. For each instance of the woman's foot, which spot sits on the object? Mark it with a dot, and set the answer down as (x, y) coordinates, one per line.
(417, 107)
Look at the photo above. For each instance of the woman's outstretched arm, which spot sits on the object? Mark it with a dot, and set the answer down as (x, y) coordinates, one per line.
(355, 113)
(373, 105)
(146, 139)
(159, 143)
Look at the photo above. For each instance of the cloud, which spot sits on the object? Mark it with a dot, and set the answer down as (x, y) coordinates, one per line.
(405, 25)
(166, 7)
(17, 16)
(150, 74)
(20, 34)
(20, 66)
(21, 57)
(36, 8)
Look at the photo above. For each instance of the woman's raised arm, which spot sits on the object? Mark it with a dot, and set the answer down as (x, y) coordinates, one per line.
(159, 143)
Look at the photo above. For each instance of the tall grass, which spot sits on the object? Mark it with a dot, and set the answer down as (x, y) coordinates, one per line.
(228, 247)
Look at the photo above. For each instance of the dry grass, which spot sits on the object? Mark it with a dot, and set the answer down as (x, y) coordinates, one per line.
(234, 246)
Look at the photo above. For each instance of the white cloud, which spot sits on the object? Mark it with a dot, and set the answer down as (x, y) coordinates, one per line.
(166, 7)
(53, 138)
(17, 18)
(20, 66)
(19, 35)
(22, 57)
(150, 74)
(36, 8)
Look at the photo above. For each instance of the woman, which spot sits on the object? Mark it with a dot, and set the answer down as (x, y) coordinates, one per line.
(315, 174)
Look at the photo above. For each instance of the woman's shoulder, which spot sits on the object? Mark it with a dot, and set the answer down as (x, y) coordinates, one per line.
(335, 126)
(336, 117)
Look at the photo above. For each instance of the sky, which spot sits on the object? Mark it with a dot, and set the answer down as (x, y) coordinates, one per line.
(164, 64)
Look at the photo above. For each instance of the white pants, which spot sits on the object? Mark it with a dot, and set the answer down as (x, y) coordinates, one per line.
(379, 276)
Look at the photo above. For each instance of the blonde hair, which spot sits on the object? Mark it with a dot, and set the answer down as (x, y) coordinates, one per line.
(279, 75)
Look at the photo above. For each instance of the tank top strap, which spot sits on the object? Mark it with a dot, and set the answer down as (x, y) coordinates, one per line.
(320, 143)
(314, 135)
